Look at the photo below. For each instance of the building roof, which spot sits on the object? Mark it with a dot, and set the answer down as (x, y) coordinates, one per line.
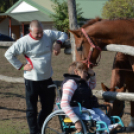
(47, 4)
(90, 8)
(29, 16)
(42, 14)
(32, 3)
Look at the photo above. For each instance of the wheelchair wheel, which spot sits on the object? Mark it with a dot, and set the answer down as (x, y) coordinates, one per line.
(54, 124)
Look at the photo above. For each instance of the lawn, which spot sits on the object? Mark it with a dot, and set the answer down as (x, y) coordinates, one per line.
(12, 96)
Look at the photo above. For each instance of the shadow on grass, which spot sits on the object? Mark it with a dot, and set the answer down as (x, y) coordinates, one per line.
(11, 109)
(12, 94)
(21, 117)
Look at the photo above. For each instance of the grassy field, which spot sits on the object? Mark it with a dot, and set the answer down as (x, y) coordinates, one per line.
(12, 96)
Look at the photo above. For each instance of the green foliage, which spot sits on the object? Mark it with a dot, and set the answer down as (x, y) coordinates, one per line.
(6, 4)
(61, 16)
(118, 9)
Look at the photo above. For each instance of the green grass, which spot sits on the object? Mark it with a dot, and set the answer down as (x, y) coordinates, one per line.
(13, 127)
(12, 96)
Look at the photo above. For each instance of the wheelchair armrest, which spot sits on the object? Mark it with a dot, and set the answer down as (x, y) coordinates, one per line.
(75, 103)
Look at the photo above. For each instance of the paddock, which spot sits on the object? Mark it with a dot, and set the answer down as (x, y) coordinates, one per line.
(12, 95)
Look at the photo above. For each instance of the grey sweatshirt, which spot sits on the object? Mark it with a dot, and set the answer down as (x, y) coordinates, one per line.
(37, 52)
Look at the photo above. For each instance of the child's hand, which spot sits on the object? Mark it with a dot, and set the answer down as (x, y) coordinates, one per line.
(90, 72)
(78, 126)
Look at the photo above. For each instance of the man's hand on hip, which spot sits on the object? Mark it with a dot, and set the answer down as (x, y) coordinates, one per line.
(56, 49)
(27, 67)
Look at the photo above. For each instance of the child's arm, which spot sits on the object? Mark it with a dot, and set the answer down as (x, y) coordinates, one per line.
(92, 80)
(68, 91)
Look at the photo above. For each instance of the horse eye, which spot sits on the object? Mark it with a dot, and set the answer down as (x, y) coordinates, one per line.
(80, 48)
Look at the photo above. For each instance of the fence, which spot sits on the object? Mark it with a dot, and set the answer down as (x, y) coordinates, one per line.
(98, 93)
(5, 44)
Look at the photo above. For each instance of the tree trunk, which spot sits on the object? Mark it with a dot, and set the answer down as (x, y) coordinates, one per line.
(72, 24)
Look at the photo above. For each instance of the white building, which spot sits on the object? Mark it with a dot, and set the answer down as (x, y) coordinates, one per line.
(16, 19)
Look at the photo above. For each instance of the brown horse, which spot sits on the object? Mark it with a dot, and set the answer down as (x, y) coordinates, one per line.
(115, 107)
(91, 38)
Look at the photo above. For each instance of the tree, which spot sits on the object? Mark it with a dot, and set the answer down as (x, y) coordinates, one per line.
(72, 25)
(118, 9)
(6, 4)
(61, 16)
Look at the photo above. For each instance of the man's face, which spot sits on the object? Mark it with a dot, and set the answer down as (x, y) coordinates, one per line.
(37, 33)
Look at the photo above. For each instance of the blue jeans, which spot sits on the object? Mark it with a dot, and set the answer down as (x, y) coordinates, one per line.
(96, 114)
(47, 98)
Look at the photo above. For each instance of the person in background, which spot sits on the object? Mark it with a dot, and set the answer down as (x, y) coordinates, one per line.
(37, 49)
(14, 36)
(21, 34)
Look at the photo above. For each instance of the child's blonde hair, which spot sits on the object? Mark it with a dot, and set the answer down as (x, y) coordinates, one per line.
(78, 66)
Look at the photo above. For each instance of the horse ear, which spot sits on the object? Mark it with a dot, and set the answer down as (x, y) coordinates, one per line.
(122, 89)
(76, 33)
(105, 88)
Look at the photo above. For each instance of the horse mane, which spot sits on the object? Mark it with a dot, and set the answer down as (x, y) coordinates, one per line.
(92, 21)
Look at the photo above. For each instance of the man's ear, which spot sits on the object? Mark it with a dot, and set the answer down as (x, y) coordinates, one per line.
(76, 33)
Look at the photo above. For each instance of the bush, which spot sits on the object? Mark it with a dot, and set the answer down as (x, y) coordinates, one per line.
(61, 16)
(118, 9)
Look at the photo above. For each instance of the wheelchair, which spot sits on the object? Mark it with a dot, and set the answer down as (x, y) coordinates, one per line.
(58, 122)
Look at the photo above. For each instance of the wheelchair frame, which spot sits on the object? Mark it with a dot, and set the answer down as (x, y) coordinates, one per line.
(66, 125)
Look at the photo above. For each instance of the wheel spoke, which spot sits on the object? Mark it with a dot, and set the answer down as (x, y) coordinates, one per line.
(53, 126)
(52, 130)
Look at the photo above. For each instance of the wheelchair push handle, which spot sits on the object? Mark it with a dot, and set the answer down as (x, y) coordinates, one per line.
(53, 85)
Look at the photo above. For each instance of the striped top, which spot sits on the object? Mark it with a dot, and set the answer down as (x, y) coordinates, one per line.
(68, 91)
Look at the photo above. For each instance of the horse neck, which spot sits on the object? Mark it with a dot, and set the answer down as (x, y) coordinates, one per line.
(111, 31)
(101, 42)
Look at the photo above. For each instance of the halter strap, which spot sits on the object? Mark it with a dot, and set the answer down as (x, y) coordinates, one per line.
(89, 40)
(88, 62)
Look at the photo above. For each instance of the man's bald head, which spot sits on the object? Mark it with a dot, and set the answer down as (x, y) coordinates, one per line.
(36, 29)
(35, 24)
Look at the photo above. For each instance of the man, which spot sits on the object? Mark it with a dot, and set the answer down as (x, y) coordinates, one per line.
(37, 48)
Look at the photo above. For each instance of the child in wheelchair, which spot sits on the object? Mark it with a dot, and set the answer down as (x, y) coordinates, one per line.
(77, 87)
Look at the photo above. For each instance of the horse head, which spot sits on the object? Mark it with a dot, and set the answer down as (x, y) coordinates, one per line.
(96, 35)
(115, 107)
(85, 51)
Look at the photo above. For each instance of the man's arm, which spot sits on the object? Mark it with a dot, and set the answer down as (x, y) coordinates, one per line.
(59, 38)
(12, 53)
